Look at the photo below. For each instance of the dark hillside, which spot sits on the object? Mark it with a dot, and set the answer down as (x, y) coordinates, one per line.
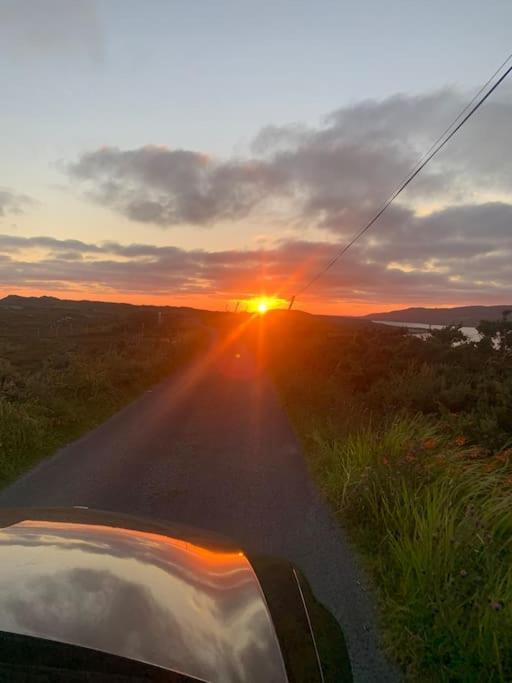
(466, 315)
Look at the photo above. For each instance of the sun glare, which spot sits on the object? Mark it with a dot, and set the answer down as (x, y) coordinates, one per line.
(263, 304)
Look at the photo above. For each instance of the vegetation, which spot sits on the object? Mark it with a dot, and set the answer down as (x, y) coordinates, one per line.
(66, 366)
(410, 437)
(463, 315)
(411, 440)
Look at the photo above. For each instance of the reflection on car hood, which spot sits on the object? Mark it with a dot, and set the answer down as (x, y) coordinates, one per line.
(142, 595)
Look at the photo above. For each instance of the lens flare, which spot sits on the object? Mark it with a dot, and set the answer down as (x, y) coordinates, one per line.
(263, 304)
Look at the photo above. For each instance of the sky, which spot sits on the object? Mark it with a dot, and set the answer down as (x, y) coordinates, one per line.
(200, 152)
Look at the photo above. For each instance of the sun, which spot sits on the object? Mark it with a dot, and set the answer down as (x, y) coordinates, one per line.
(263, 304)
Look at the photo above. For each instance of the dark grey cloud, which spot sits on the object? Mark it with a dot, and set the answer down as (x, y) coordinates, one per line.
(456, 232)
(167, 187)
(473, 271)
(13, 203)
(335, 174)
(31, 29)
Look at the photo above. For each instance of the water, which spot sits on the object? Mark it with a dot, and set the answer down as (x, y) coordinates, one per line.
(470, 332)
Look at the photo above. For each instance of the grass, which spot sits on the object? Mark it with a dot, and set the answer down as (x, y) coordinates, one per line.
(58, 405)
(410, 442)
(54, 387)
(20, 435)
(434, 522)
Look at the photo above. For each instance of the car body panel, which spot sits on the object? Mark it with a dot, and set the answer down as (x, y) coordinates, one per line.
(147, 595)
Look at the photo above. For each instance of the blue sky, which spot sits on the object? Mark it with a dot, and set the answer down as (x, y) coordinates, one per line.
(208, 74)
(206, 77)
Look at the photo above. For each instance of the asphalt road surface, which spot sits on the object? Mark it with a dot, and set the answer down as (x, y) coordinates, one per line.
(212, 447)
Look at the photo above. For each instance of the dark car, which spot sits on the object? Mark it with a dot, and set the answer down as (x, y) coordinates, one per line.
(88, 595)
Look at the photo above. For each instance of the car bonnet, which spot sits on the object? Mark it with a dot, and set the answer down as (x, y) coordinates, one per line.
(142, 595)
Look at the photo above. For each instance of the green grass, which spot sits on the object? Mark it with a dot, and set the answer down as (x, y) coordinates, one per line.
(410, 440)
(63, 405)
(20, 434)
(434, 522)
(54, 390)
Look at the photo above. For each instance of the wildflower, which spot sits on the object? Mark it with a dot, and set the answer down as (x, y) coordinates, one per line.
(429, 444)
(461, 440)
(463, 572)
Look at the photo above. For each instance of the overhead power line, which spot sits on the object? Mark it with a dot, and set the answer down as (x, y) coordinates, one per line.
(466, 113)
(459, 115)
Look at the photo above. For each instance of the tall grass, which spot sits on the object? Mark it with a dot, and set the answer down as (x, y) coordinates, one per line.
(434, 520)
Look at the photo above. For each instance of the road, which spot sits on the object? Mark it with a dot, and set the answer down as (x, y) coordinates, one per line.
(212, 447)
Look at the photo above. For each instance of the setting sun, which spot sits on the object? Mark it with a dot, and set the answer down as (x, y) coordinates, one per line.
(263, 304)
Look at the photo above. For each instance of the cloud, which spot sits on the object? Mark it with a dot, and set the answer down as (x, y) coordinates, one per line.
(45, 28)
(336, 174)
(448, 239)
(168, 187)
(456, 232)
(448, 269)
(13, 203)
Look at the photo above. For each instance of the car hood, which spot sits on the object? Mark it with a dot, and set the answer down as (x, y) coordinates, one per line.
(173, 601)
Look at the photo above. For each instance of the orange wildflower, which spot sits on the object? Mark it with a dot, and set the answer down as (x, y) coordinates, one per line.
(429, 444)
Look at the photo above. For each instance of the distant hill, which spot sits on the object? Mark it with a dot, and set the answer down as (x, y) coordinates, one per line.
(43, 311)
(467, 315)
(15, 301)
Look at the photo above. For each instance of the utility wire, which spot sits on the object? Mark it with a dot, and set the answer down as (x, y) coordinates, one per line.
(434, 149)
(460, 115)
